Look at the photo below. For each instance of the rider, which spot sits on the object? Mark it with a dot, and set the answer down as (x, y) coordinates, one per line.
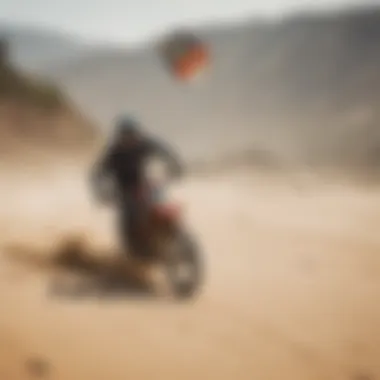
(124, 162)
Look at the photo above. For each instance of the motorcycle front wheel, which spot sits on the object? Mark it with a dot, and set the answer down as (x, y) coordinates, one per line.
(183, 265)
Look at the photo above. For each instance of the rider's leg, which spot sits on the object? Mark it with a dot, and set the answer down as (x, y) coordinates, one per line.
(131, 232)
(141, 223)
(124, 228)
(127, 225)
(133, 225)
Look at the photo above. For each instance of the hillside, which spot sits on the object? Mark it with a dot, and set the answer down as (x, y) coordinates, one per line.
(36, 118)
(305, 90)
(34, 49)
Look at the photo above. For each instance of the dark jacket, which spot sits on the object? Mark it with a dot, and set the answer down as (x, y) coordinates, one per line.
(126, 164)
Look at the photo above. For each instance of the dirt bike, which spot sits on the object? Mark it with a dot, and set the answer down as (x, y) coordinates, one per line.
(170, 244)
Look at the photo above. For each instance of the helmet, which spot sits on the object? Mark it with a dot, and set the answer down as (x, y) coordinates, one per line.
(127, 126)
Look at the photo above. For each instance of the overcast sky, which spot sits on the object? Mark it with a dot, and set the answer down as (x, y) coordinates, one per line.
(131, 21)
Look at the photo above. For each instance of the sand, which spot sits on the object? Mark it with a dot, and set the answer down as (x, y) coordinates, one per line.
(291, 292)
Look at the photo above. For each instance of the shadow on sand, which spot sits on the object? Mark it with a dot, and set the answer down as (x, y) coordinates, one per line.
(76, 271)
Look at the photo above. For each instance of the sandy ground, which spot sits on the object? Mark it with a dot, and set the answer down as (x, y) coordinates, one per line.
(292, 289)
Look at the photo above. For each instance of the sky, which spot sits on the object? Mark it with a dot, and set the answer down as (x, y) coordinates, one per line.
(133, 21)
